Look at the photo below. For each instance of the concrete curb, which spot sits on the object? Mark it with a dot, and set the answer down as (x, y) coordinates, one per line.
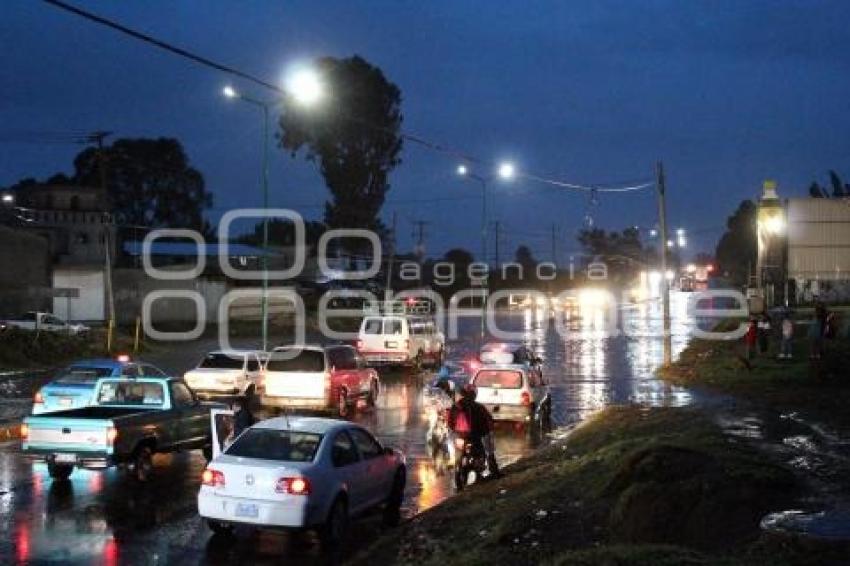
(10, 431)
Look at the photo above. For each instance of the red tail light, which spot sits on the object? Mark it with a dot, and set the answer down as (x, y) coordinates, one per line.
(38, 399)
(525, 398)
(212, 478)
(293, 486)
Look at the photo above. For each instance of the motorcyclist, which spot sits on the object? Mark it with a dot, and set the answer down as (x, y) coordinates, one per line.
(472, 421)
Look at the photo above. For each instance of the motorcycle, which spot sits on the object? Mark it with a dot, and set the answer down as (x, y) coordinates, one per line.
(472, 459)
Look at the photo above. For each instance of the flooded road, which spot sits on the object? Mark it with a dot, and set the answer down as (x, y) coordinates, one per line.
(104, 518)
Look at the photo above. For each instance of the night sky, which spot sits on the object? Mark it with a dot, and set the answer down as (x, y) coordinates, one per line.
(727, 93)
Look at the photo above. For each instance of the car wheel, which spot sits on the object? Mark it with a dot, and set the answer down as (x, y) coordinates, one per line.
(143, 464)
(342, 403)
(59, 471)
(372, 399)
(220, 529)
(336, 526)
(392, 511)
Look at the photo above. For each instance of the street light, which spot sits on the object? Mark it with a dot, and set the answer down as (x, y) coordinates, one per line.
(505, 171)
(305, 88)
(8, 198)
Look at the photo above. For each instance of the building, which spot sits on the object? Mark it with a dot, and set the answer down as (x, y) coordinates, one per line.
(804, 249)
(80, 243)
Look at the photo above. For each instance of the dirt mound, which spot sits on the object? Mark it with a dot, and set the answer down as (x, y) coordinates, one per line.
(670, 494)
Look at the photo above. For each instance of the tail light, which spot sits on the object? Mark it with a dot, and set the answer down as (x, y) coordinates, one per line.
(111, 435)
(212, 478)
(25, 432)
(38, 399)
(293, 486)
(359, 345)
(525, 398)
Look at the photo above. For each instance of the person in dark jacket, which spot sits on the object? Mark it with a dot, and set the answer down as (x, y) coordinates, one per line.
(471, 420)
(242, 417)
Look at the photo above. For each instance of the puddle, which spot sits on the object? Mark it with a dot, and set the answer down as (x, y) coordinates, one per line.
(831, 524)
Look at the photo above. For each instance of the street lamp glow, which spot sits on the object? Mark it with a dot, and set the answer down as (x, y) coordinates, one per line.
(774, 224)
(305, 87)
(229, 92)
(462, 170)
(8, 198)
(507, 170)
(680, 232)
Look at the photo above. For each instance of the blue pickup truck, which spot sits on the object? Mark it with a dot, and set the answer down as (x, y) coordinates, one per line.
(128, 421)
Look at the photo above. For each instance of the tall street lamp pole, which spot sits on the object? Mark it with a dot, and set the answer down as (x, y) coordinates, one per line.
(229, 92)
(506, 172)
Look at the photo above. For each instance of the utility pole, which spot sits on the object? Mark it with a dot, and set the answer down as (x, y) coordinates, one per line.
(98, 138)
(419, 235)
(665, 283)
(554, 247)
(496, 233)
(388, 290)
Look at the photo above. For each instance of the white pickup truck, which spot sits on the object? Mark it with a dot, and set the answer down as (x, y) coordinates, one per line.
(45, 321)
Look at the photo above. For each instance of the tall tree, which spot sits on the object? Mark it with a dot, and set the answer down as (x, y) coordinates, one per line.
(837, 185)
(354, 136)
(525, 257)
(282, 233)
(738, 247)
(149, 182)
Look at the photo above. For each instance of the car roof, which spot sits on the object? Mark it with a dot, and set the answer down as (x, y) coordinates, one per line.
(316, 425)
(102, 363)
(233, 352)
(512, 367)
(311, 347)
(509, 346)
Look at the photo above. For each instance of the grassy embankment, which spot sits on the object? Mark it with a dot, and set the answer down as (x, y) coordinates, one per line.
(630, 486)
(816, 389)
(21, 349)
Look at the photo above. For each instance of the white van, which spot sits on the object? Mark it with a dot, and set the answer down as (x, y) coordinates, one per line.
(400, 340)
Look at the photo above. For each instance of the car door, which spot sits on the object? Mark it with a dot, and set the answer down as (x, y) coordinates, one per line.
(189, 426)
(349, 469)
(379, 474)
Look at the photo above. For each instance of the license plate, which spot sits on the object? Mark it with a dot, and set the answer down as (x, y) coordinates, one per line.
(65, 401)
(65, 458)
(247, 510)
(392, 344)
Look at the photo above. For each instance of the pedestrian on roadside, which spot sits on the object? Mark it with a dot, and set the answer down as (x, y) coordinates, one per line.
(242, 416)
(786, 348)
(751, 338)
(764, 333)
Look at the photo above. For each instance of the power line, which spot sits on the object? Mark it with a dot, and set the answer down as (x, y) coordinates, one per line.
(201, 60)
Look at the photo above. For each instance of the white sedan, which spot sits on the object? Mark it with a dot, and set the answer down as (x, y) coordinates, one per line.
(301, 473)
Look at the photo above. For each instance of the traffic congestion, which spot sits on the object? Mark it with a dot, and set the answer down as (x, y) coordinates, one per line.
(305, 451)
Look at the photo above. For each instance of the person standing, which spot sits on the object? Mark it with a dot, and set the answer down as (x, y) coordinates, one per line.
(764, 333)
(751, 338)
(786, 347)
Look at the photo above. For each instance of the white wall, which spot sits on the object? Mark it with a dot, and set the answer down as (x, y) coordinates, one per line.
(91, 304)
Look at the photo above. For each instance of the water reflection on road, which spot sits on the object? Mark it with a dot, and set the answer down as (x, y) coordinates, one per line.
(103, 518)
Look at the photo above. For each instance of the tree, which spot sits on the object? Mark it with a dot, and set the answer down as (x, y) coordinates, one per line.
(622, 252)
(525, 258)
(738, 247)
(149, 183)
(282, 233)
(354, 138)
(839, 188)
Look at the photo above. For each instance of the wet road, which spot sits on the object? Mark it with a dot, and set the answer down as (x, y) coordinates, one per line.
(105, 518)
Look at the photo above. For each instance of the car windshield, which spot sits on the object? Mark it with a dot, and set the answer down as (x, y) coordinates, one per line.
(372, 326)
(83, 374)
(131, 393)
(305, 360)
(222, 361)
(271, 444)
(503, 379)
